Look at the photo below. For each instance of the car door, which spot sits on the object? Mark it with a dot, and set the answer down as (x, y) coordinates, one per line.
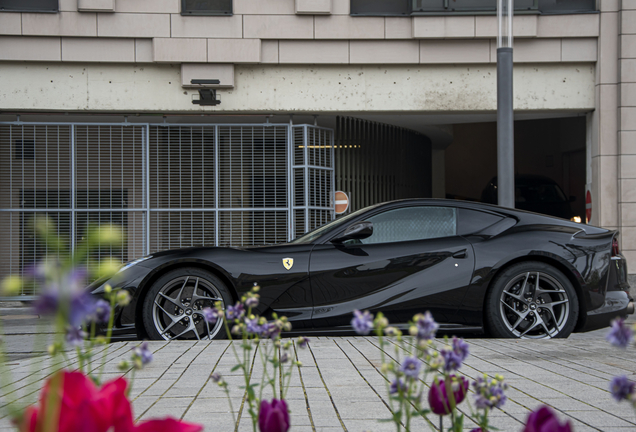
(414, 261)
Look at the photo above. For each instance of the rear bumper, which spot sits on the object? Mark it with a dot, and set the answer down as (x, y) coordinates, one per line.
(618, 300)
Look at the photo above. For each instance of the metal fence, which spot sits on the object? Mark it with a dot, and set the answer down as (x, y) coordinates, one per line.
(168, 186)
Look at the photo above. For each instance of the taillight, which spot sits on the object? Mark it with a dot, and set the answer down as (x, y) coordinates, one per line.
(615, 250)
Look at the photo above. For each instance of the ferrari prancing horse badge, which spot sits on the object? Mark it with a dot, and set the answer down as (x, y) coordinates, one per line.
(288, 263)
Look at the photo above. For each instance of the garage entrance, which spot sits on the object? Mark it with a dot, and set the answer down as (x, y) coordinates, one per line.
(550, 167)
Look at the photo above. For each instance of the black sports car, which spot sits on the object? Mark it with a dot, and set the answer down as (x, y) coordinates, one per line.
(474, 266)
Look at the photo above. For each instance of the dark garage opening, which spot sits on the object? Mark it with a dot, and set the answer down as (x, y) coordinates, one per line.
(546, 148)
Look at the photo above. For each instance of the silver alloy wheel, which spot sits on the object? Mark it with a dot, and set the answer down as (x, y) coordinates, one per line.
(534, 305)
(177, 309)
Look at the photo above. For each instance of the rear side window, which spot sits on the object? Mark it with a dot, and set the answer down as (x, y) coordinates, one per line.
(472, 221)
(412, 223)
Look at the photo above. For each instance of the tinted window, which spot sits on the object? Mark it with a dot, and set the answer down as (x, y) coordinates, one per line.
(472, 221)
(29, 5)
(206, 7)
(412, 223)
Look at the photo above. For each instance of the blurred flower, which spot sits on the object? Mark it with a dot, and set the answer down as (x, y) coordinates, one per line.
(74, 336)
(426, 326)
(235, 312)
(251, 301)
(398, 385)
(167, 424)
(11, 285)
(210, 315)
(216, 377)
(438, 398)
(273, 417)
(142, 355)
(622, 388)
(253, 326)
(392, 331)
(284, 358)
(362, 322)
(107, 268)
(545, 420)
(620, 335)
(302, 342)
(122, 298)
(106, 235)
(411, 367)
(101, 311)
(489, 393)
(455, 356)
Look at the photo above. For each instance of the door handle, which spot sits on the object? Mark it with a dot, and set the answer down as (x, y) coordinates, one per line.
(460, 254)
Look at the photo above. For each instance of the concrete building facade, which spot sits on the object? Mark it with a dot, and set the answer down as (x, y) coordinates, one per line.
(429, 73)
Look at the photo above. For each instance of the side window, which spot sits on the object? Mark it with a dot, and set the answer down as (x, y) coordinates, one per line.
(206, 7)
(412, 223)
(472, 221)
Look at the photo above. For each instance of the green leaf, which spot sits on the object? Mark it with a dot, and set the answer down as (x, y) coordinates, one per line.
(236, 367)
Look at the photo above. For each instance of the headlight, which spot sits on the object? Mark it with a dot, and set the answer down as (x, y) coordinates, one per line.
(129, 264)
(576, 219)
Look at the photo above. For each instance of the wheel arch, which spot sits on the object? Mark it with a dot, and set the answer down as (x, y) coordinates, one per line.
(567, 272)
(159, 272)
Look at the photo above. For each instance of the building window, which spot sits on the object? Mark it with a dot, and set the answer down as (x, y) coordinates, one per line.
(24, 149)
(466, 7)
(29, 6)
(206, 7)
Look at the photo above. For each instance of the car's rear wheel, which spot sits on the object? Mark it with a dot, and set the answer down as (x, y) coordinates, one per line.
(173, 307)
(531, 300)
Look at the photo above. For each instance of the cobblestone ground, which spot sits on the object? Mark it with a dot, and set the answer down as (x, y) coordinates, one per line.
(340, 388)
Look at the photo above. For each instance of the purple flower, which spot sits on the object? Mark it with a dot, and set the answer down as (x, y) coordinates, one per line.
(216, 377)
(303, 341)
(426, 326)
(251, 302)
(81, 307)
(210, 315)
(284, 358)
(398, 385)
(254, 327)
(46, 303)
(545, 420)
(489, 393)
(411, 367)
(438, 398)
(75, 335)
(454, 357)
(143, 353)
(273, 417)
(235, 312)
(622, 388)
(620, 335)
(362, 322)
(101, 311)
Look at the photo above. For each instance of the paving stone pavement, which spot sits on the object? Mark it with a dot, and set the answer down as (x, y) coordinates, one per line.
(340, 388)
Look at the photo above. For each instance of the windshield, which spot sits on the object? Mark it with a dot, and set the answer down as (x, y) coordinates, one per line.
(313, 235)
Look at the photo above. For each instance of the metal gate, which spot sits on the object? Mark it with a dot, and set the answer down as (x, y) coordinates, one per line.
(168, 186)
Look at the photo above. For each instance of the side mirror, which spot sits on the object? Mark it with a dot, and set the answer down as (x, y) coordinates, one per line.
(359, 231)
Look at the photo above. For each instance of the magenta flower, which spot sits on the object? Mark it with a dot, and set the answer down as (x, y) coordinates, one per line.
(545, 420)
(438, 398)
(273, 417)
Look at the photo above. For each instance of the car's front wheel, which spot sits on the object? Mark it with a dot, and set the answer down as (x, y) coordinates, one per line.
(531, 300)
(173, 307)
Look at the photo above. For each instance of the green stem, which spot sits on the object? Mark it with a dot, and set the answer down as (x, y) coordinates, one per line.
(109, 334)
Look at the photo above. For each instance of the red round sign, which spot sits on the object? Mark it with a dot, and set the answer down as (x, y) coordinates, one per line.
(588, 206)
(342, 202)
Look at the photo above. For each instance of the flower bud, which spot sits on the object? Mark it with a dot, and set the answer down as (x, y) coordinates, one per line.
(123, 366)
(107, 268)
(108, 289)
(11, 285)
(122, 298)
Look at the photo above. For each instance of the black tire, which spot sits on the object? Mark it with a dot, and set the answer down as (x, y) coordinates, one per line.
(515, 309)
(171, 310)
